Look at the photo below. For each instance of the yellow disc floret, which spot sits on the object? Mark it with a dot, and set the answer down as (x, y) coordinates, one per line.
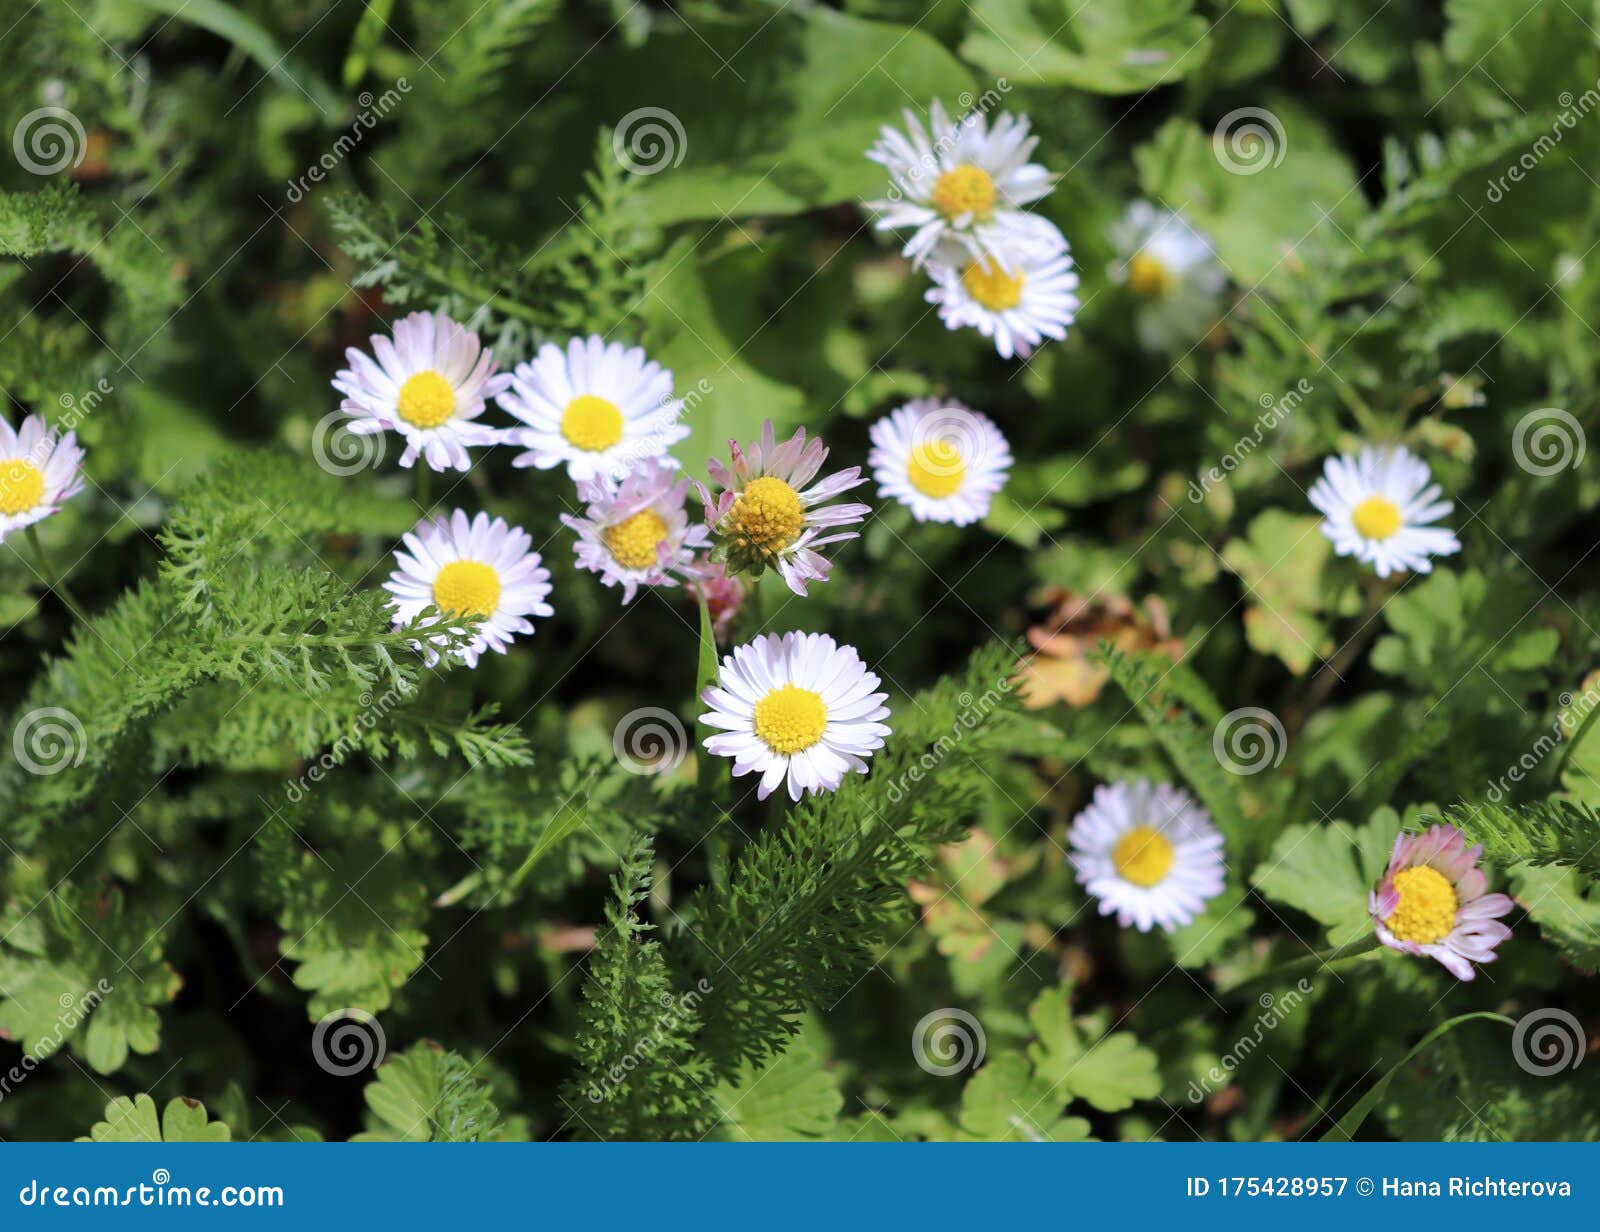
(21, 485)
(936, 469)
(964, 190)
(467, 588)
(766, 517)
(790, 719)
(1427, 910)
(633, 541)
(1149, 277)
(1143, 856)
(1377, 517)
(591, 423)
(992, 287)
(426, 400)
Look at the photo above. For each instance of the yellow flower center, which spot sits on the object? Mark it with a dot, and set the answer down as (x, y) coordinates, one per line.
(767, 515)
(467, 588)
(1143, 856)
(21, 486)
(992, 287)
(591, 423)
(936, 469)
(634, 540)
(790, 719)
(964, 190)
(426, 400)
(1377, 517)
(1427, 909)
(1149, 277)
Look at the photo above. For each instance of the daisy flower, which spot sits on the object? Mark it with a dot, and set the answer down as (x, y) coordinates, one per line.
(1431, 901)
(723, 593)
(796, 707)
(596, 408)
(39, 471)
(1377, 506)
(1149, 853)
(1018, 300)
(636, 533)
(1172, 271)
(963, 181)
(429, 383)
(766, 516)
(480, 568)
(941, 460)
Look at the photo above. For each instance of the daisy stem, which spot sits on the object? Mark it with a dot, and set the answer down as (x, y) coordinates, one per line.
(51, 577)
(1573, 742)
(425, 488)
(1301, 966)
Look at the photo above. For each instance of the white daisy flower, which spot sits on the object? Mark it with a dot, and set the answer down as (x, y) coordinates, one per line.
(429, 384)
(1149, 853)
(963, 181)
(40, 470)
(481, 568)
(636, 533)
(766, 517)
(797, 707)
(1173, 272)
(596, 408)
(1377, 506)
(941, 460)
(1018, 301)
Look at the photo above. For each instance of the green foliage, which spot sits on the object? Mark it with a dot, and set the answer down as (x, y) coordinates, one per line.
(430, 1094)
(136, 1120)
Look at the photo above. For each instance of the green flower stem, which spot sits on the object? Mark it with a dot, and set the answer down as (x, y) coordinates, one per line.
(1301, 966)
(424, 486)
(53, 579)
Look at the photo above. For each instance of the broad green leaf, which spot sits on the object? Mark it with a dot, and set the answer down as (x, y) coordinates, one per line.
(795, 1098)
(1110, 1072)
(427, 1094)
(135, 1120)
(1327, 870)
(1280, 562)
(1005, 1102)
(1108, 46)
(1566, 909)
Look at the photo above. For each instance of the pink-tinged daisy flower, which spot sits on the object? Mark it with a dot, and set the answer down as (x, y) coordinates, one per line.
(964, 182)
(798, 708)
(429, 384)
(1149, 853)
(1017, 299)
(636, 533)
(943, 461)
(724, 595)
(39, 471)
(766, 516)
(596, 408)
(1432, 901)
(1377, 507)
(480, 568)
